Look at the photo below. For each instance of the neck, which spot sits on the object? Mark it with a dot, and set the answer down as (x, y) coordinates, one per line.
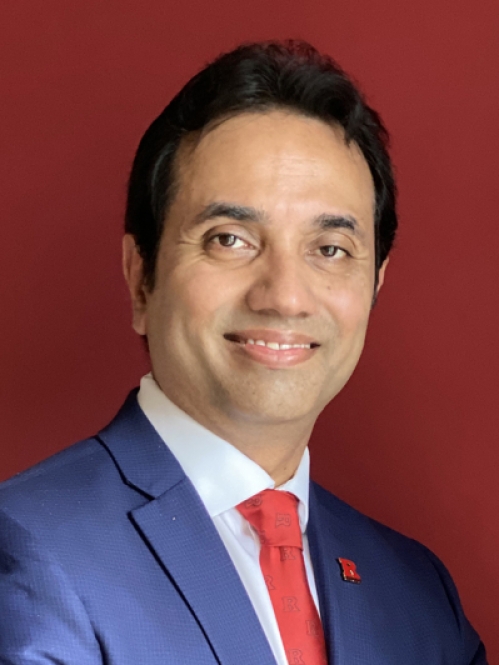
(277, 450)
(276, 447)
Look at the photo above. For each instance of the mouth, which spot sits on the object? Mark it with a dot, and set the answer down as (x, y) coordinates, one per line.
(273, 348)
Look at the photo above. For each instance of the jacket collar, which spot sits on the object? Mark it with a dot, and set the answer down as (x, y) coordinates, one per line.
(142, 457)
(337, 531)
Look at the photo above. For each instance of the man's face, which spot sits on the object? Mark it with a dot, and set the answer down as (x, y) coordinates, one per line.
(265, 271)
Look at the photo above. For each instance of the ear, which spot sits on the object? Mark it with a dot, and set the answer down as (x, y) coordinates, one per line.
(133, 270)
(381, 275)
(379, 282)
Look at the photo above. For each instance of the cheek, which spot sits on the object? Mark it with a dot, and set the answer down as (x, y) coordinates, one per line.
(201, 295)
(350, 305)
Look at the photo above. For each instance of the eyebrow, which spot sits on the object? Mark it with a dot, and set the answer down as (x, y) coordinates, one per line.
(234, 211)
(241, 213)
(327, 221)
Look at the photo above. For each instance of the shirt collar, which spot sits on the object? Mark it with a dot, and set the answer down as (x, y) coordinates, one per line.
(221, 474)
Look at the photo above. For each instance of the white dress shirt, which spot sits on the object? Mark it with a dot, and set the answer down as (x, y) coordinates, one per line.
(223, 478)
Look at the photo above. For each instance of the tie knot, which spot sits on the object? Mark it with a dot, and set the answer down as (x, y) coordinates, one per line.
(274, 516)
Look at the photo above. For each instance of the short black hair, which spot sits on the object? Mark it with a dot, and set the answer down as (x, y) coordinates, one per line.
(262, 76)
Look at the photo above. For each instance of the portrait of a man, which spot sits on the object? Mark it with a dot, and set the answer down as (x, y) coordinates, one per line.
(260, 216)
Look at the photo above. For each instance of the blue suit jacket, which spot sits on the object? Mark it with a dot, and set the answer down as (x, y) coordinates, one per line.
(107, 555)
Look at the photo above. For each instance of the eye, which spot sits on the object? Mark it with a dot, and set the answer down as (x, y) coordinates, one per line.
(228, 240)
(333, 251)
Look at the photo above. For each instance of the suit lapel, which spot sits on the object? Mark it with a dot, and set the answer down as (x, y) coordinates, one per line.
(184, 539)
(176, 526)
(342, 604)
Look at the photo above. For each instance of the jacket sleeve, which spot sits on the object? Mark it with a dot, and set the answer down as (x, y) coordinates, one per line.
(42, 620)
(473, 650)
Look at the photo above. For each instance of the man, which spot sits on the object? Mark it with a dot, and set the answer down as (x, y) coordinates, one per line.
(261, 212)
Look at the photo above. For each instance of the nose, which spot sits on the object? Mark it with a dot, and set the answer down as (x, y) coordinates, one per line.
(282, 287)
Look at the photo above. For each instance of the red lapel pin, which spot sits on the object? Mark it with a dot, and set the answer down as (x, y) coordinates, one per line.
(349, 571)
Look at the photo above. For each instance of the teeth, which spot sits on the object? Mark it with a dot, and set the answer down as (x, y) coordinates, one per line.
(277, 347)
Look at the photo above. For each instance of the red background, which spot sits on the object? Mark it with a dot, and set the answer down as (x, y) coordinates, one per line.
(412, 439)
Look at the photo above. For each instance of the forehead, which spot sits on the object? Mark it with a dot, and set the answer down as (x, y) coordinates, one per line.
(279, 162)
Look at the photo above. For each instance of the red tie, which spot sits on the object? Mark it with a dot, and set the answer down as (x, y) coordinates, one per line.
(274, 516)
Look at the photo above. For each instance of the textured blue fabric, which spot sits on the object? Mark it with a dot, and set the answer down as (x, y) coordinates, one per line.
(107, 556)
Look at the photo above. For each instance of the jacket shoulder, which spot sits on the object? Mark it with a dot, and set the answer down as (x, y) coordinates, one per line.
(65, 476)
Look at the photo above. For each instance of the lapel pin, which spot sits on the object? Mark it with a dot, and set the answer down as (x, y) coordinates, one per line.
(349, 571)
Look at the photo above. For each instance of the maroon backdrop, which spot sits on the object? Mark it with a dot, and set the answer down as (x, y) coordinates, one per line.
(412, 439)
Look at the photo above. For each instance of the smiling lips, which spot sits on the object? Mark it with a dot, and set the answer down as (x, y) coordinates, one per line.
(273, 348)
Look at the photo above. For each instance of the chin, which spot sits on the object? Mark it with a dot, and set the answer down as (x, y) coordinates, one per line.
(274, 406)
